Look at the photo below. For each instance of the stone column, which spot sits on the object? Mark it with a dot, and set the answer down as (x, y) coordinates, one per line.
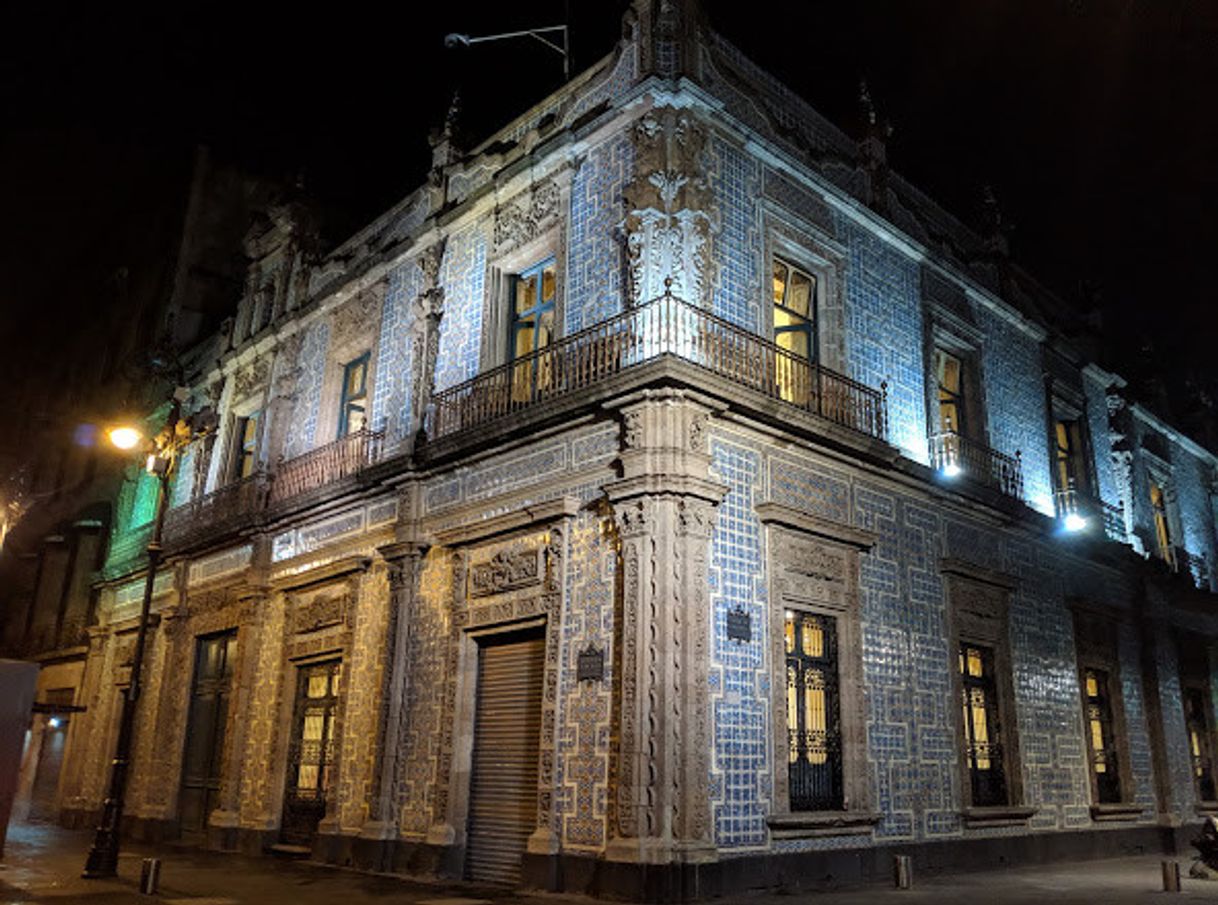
(403, 560)
(665, 508)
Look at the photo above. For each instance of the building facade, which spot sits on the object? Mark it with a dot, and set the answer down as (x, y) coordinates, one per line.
(666, 499)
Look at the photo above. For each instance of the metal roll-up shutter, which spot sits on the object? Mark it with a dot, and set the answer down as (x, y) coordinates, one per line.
(503, 788)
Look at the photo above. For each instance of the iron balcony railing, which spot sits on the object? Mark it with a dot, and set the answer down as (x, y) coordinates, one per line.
(225, 505)
(664, 326)
(323, 466)
(1072, 501)
(240, 502)
(954, 454)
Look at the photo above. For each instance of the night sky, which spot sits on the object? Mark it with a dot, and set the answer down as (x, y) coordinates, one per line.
(1094, 121)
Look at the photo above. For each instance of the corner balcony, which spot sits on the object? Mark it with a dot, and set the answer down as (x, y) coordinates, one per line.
(955, 455)
(616, 352)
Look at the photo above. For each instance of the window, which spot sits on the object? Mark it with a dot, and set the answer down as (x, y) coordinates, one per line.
(1101, 736)
(245, 447)
(532, 328)
(353, 411)
(1198, 714)
(1069, 462)
(794, 328)
(982, 727)
(949, 374)
(1095, 638)
(814, 739)
(1158, 510)
(824, 783)
(990, 776)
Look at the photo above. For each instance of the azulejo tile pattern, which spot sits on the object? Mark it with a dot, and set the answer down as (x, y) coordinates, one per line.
(735, 181)
(463, 275)
(594, 268)
(303, 425)
(391, 402)
(884, 333)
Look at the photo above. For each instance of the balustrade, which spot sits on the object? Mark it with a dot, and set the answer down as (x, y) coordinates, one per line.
(955, 454)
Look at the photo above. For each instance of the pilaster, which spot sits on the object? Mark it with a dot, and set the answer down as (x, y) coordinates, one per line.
(664, 508)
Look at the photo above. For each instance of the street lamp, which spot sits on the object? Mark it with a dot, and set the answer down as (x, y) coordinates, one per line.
(163, 452)
(460, 40)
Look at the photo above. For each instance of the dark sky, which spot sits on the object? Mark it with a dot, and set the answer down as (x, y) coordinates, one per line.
(1094, 120)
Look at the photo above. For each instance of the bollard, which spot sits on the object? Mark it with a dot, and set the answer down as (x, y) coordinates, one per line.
(1171, 876)
(150, 876)
(902, 871)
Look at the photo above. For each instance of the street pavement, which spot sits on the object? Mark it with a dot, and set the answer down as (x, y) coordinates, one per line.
(42, 863)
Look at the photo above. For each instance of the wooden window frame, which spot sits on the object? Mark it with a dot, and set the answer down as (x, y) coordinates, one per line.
(347, 401)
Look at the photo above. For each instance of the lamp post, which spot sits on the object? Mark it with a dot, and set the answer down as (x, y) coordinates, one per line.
(461, 40)
(102, 860)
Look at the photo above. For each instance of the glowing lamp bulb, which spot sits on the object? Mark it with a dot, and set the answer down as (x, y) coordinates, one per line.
(125, 437)
(1075, 522)
(54, 723)
(950, 470)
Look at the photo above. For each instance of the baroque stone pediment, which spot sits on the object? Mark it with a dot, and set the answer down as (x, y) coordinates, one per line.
(527, 216)
(322, 610)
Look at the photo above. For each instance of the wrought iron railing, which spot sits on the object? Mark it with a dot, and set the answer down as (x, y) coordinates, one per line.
(323, 466)
(223, 506)
(1111, 519)
(954, 454)
(664, 326)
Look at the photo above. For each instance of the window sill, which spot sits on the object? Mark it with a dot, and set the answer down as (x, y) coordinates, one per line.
(998, 815)
(1102, 813)
(1206, 808)
(809, 824)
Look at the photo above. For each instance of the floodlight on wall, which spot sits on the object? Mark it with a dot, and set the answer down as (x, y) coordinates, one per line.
(456, 39)
(1074, 522)
(951, 470)
(125, 437)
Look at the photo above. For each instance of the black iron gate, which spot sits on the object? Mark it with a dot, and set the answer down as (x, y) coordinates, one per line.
(311, 751)
(215, 656)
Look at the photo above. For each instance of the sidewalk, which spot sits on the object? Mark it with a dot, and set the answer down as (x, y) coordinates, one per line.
(42, 864)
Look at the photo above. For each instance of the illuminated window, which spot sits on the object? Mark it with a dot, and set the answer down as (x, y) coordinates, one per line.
(534, 292)
(245, 447)
(794, 292)
(1101, 736)
(949, 374)
(353, 415)
(814, 742)
(1158, 508)
(982, 726)
(1069, 463)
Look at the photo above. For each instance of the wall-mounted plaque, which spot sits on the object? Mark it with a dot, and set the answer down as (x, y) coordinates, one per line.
(590, 665)
(739, 626)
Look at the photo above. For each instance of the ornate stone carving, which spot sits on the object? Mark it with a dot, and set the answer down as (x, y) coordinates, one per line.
(507, 570)
(524, 219)
(427, 313)
(355, 315)
(319, 612)
(669, 221)
(251, 378)
(632, 429)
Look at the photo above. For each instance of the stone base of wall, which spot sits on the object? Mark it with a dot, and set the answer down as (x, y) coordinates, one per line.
(389, 856)
(798, 872)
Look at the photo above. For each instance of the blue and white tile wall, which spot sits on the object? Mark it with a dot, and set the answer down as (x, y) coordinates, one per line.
(1015, 402)
(391, 402)
(1101, 445)
(463, 276)
(594, 288)
(1193, 494)
(308, 392)
(735, 181)
(884, 332)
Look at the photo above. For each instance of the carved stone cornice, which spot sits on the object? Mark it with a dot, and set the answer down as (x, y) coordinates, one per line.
(525, 517)
(797, 520)
(340, 567)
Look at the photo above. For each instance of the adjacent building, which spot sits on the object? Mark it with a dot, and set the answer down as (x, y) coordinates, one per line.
(666, 499)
